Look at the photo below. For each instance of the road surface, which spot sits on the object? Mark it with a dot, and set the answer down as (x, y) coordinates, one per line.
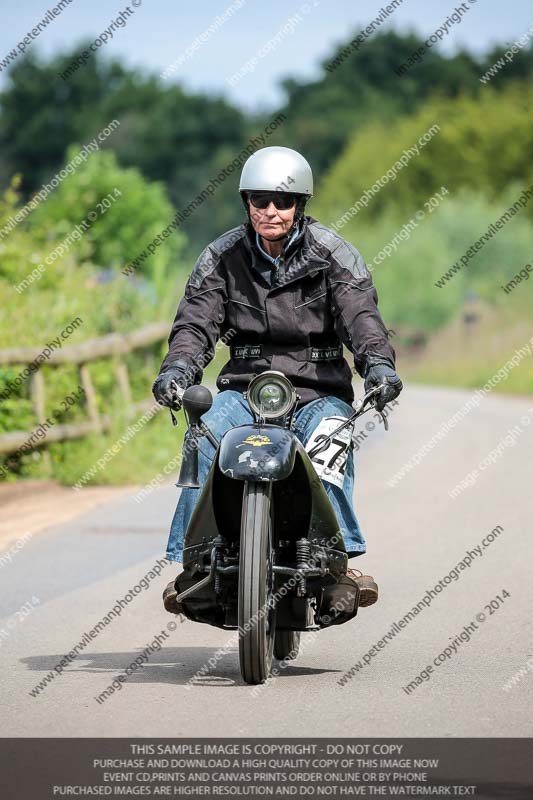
(61, 582)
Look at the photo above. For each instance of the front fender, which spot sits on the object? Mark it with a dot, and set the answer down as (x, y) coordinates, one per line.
(257, 453)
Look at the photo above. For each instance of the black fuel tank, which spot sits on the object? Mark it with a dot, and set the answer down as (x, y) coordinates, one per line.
(257, 453)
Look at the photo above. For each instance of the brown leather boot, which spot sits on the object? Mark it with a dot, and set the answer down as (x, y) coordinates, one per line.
(367, 586)
(169, 598)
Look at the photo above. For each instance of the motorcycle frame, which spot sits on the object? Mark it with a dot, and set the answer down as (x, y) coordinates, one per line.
(314, 559)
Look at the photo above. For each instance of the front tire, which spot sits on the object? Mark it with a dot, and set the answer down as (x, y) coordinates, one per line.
(257, 615)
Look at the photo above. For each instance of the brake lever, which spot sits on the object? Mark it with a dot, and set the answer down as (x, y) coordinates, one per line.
(368, 398)
(385, 420)
(179, 393)
(375, 391)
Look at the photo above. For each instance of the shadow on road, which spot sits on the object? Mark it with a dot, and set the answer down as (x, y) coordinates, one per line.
(172, 665)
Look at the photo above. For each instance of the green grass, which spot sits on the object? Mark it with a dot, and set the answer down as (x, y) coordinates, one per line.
(467, 356)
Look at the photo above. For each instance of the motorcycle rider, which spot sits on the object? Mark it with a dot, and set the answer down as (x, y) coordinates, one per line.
(290, 292)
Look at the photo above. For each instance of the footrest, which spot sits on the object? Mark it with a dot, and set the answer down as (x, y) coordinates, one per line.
(339, 604)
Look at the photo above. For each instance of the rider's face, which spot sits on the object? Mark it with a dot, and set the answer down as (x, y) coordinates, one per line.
(271, 223)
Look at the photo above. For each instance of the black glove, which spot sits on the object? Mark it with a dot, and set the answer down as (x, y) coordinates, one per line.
(380, 370)
(170, 385)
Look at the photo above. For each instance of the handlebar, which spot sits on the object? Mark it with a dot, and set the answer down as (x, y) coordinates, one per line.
(361, 407)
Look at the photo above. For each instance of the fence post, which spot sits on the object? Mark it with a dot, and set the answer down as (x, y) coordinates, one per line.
(38, 399)
(90, 397)
(124, 382)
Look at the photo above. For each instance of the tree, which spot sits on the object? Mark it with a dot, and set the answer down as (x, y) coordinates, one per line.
(169, 134)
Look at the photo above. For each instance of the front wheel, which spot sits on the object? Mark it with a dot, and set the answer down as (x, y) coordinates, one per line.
(257, 623)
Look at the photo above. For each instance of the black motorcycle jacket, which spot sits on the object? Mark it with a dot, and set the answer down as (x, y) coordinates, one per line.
(294, 318)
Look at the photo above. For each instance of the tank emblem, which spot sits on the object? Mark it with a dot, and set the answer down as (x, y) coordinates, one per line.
(256, 440)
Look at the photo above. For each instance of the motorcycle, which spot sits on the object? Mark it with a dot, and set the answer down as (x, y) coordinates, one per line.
(263, 552)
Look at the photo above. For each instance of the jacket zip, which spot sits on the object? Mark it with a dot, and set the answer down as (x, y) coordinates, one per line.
(318, 268)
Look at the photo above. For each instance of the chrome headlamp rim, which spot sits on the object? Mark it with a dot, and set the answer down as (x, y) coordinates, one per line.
(272, 377)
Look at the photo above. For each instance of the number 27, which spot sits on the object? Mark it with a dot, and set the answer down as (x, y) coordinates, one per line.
(342, 447)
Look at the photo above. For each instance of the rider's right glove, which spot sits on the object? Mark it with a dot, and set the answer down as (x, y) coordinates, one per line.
(380, 370)
(169, 386)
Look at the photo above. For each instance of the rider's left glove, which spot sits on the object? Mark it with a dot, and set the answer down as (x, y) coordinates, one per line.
(169, 386)
(379, 370)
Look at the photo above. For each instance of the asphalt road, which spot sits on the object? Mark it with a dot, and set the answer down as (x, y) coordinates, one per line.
(65, 579)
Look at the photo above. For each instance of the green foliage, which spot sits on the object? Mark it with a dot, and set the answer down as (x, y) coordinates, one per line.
(183, 139)
(168, 134)
(85, 282)
(98, 217)
(406, 279)
(480, 145)
(42, 114)
(137, 211)
(138, 461)
(324, 114)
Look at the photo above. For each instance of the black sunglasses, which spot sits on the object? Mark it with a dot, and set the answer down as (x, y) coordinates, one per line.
(282, 200)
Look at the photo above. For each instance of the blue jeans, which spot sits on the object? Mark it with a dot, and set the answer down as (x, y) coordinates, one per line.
(230, 409)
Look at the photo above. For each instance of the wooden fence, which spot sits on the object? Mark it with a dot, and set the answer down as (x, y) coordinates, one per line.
(112, 345)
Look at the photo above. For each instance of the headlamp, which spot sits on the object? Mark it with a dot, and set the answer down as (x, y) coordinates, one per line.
(271, 395)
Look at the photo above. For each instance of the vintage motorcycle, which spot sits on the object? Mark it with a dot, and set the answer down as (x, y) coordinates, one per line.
(263, 552)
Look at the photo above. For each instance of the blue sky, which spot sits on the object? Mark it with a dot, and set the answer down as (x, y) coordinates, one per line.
(160, 30)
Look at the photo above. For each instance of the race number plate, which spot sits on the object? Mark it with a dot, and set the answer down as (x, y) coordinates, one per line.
(330, 464)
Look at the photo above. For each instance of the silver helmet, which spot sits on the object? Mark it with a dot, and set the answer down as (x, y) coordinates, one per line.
(277, 169)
